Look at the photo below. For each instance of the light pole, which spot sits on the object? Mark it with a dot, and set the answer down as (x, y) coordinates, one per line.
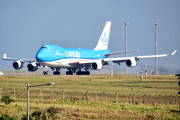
(156, 49)
(51, 83)
(126, 23)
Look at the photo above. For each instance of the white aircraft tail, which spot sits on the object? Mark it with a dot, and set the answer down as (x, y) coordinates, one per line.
(104, 39)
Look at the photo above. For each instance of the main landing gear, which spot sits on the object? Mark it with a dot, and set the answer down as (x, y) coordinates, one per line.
(69, 72)
(57, 72)
(82, 73)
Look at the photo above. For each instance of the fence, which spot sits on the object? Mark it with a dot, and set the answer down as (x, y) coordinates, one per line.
(93, 96)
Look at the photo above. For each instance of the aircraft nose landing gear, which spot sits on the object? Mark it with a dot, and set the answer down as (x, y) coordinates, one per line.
(45, 72)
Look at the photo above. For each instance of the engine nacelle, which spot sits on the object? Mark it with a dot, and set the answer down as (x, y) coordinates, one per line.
(18, 65)
(97, 65)
(131, 62)
(32, 67)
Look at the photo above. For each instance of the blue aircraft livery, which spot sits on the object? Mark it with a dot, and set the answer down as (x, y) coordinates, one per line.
(49, 53)
(79, 61)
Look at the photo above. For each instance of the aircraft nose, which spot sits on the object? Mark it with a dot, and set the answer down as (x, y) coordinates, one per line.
(38, 57)
(41, 56)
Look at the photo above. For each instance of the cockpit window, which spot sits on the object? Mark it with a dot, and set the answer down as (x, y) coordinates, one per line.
(44, 47)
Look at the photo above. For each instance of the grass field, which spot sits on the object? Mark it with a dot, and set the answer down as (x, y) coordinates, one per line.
(68, 109)
(162, 84)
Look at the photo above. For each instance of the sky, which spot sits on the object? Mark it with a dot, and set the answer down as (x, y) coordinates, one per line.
(26, 25)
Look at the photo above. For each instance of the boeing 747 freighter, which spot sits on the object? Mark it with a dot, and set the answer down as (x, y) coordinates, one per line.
(79, 61)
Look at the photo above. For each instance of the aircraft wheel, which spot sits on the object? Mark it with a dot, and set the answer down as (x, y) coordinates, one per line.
(78, 73)
(69, 73)
(56, 73)
(87, 73)
(45, 72)
(82, 73)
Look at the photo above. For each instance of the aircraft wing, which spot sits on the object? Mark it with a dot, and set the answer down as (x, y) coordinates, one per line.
(122, 59)
(163, 55)
(83, 61)
(120, 52)
(119, 59)
(16, 59)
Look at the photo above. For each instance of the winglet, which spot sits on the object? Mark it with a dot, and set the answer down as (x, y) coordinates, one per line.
(4, 56)
(173, 53)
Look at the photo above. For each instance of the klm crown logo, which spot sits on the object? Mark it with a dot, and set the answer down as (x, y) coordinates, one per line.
(104, 34)
(104, 39)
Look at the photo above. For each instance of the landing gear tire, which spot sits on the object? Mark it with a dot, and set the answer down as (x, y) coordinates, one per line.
(56, 73)
(87, 73)
(45, 73)
(69, 73)
(82, 73)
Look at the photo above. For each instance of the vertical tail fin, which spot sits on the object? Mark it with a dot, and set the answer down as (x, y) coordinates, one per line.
(104, 39)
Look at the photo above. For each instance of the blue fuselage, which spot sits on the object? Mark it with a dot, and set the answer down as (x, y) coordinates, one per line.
(50, 53)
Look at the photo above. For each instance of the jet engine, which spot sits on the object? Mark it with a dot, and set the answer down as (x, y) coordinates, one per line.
(96, 65)
(18, 65)
(32, 67)
(131, 62)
